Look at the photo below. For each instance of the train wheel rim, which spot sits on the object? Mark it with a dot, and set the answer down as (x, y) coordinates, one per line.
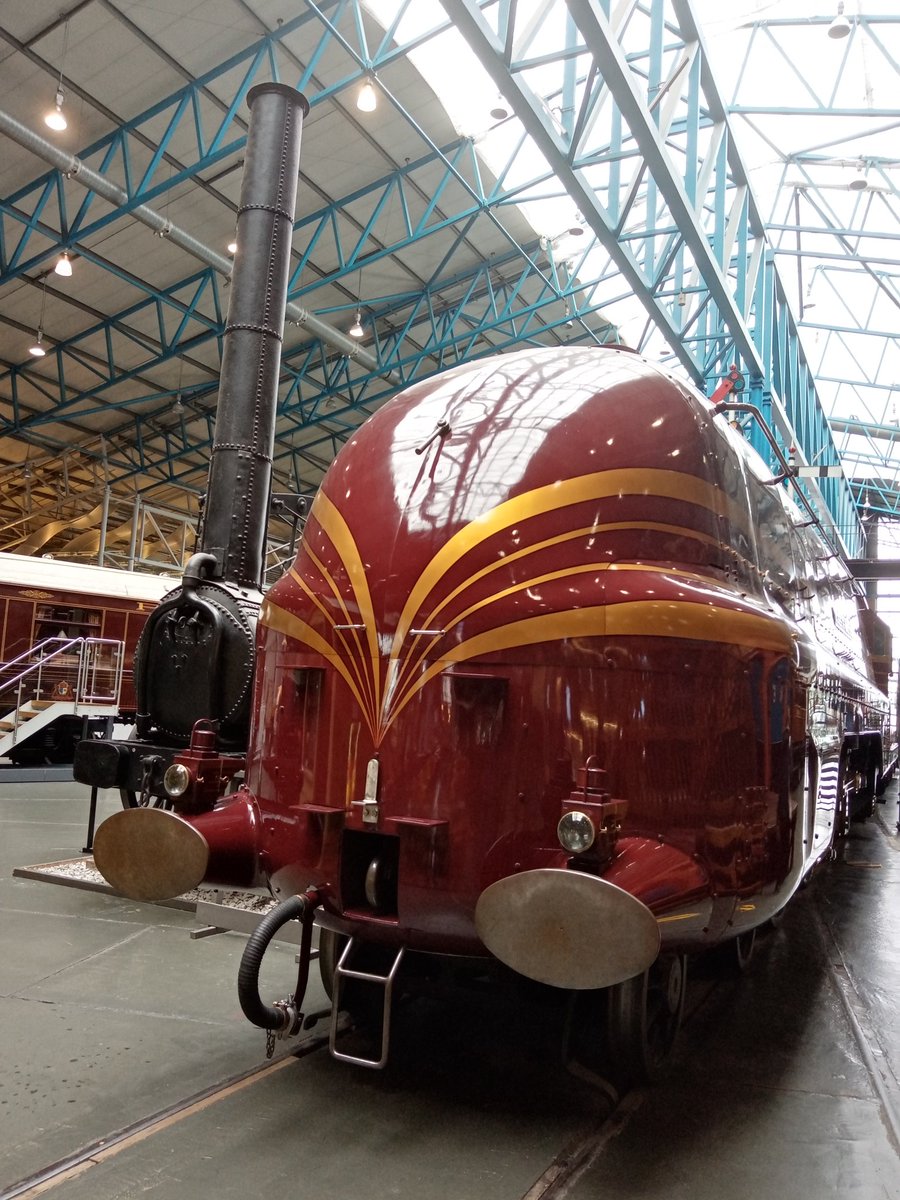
(643, 1019)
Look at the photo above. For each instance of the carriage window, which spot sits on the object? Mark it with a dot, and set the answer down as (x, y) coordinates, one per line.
(55, 620)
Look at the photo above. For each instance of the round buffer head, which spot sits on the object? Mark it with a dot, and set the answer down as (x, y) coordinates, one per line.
(567, 928)
(150, 854)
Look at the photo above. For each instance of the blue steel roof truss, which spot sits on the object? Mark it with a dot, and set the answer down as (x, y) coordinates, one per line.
(641, 145)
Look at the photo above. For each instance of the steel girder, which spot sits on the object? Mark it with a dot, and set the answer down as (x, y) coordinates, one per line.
(645, 147)
(835, 214)
(631, 127)
(876, 496)
(138, 155)
(191, 311)
(506, 301)
(448, 324)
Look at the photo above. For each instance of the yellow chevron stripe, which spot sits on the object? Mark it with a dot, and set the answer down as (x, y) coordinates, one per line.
(563, 573)
(271, 616)
(585, 531)
(698, 622)
(431, 621)
(332, 522)
(639, 618)
(548, 627)
(668, 484)
(615, 568)
(354, 654)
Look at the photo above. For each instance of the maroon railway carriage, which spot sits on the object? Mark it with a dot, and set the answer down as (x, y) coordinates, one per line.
(49, 600)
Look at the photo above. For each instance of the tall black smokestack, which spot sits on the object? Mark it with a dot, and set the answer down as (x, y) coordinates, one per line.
(240, 473)
(197, 652)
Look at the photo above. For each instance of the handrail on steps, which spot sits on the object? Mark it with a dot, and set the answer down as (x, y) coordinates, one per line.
(95, 681)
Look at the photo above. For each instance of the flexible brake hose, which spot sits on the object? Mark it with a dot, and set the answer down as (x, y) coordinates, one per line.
(268, 1016)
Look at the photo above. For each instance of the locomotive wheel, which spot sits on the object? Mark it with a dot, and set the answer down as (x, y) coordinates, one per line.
(643, 1019)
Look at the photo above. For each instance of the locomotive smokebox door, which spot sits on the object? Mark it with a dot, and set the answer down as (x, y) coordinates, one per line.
(196, 656)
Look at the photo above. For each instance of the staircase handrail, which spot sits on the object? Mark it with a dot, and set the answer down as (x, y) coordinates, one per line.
(89, 666)
(66, 645)
(28, 654)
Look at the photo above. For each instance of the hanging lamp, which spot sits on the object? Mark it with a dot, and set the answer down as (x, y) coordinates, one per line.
(56, 119)
(367, 99)
(840, 26)
(36, 350)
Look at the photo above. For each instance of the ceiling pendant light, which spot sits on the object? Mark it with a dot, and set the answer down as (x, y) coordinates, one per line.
(56, 118)
(367, 100)
(356, 329)
(178, 406)
(840, 26)
(63, 264)
(501, 109)
(37, 349)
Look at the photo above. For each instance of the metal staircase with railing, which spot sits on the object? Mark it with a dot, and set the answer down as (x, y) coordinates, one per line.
(48, 689)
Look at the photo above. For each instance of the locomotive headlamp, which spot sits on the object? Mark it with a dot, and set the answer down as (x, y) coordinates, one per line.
(575, 832)
(177, 779)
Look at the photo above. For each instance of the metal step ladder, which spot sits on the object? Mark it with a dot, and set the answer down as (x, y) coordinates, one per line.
(386, 982)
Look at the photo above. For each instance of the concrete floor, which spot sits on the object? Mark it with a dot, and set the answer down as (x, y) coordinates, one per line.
(784, 1083)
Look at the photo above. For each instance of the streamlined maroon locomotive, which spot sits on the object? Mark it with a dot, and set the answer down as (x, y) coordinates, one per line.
(561, 678)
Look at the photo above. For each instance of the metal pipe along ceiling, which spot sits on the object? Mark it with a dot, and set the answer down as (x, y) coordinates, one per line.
(74, 168)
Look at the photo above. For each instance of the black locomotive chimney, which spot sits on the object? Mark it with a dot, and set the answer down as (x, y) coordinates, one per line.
(240, 473)
(197, 652)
